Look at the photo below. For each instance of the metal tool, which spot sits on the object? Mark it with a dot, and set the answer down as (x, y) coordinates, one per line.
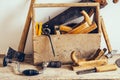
(13, 54)
(46, 32)
(32, 72)
(27, 72)
(92, 70)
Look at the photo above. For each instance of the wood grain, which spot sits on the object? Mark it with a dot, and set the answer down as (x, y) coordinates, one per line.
(86, 44)
(106, 38)
(23, 39)
(37, 5)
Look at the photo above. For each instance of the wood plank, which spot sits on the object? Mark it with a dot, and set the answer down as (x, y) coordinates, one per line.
(36, 5)
(86, 44)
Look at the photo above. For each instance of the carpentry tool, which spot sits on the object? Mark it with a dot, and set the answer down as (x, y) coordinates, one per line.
(78, 29)
(31, 72)
(97, 55)
(109, 47)
(53, 64)
(64, 28)
(71, 13)
(46, 32)
(117, 62)
(27, 72)
(102, 52)
(86, 17)
(12, 54)
(92, 27)
(83, 62)
(108, 67)
(23, 39)
(85, 27)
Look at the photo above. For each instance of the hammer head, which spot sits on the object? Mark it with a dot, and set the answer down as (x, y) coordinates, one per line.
(109, 54)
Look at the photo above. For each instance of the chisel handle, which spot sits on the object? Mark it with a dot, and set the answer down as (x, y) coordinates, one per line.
(108, 67)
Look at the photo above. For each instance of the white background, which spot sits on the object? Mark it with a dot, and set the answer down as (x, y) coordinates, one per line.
(13, 15)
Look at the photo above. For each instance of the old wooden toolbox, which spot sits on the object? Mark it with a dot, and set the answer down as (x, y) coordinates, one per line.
(85, 44)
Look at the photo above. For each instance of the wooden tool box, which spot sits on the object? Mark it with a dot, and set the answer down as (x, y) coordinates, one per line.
(85, 44)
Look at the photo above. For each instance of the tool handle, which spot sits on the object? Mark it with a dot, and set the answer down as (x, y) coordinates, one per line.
(105, 35)
(93, 62)
(23, 39)
(108, 67)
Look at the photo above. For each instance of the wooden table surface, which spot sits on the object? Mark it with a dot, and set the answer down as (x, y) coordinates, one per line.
(9, 73)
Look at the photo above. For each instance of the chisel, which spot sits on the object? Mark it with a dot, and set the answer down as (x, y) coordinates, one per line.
(108, 67)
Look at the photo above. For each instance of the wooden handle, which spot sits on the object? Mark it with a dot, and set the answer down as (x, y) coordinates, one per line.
(79, 28)
(85, 65)
(108, 67)
(93, 62)
(89, 29)
(74, 58)
(101, 53)
(22, 43)
(86, 17)
(105, 35)
(65, 28)
(83, 62)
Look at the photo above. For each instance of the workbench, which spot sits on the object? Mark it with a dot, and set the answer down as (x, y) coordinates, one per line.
(7, 73)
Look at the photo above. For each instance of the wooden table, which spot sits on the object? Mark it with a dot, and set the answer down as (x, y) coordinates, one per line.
(8, 73)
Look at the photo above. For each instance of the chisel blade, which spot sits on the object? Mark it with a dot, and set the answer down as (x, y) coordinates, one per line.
(92, 70)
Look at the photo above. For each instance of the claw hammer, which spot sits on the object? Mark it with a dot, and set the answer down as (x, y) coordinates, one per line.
(106, 38)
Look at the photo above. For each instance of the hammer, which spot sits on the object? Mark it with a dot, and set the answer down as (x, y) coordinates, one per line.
(106, 38)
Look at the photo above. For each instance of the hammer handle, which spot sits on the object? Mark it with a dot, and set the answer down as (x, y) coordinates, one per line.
(23, 40)
(105, 35)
